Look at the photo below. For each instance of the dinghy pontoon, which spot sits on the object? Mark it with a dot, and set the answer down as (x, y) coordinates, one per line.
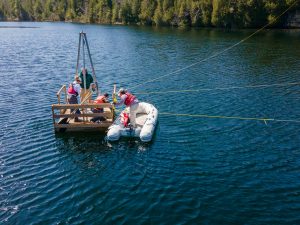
(146, 120)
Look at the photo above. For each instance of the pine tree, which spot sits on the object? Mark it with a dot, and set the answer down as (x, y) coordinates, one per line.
(168, 11)
(147, 11)
(116, 12)
(71, 6)
(206, 8)
(158, 14)
(218, 13)
(184, 14)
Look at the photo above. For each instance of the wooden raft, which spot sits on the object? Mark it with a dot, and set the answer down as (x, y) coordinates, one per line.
(64, 119)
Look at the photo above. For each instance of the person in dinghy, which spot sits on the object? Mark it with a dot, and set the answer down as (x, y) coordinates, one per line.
(130, 101)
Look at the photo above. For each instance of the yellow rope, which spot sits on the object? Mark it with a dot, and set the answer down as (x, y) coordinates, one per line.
(218, 53)
(265, 120)
(214, 116)
(224, 88)
(220, 88)
(227, 117)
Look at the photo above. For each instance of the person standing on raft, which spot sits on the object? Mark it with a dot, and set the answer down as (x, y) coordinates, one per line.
(86, 82)
(130, 101)
(73, 92)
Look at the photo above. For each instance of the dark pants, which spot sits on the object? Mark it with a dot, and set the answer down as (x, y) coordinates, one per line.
(73, 100)
(101, 118)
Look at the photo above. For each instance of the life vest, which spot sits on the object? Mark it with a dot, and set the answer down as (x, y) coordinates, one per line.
(129, 99)
(72, 91)
(99, 100)
(125, 119)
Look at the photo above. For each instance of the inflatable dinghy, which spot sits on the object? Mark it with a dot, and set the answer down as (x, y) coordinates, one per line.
(146, 120)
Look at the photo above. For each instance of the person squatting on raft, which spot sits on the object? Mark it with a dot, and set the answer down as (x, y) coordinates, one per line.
(86, 82)
(100, 99)
(73, 92)
(130, 101)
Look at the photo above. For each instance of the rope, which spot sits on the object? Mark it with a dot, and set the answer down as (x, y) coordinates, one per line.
(218, 53)
(265, 120)
(221, 88)
(228, 117)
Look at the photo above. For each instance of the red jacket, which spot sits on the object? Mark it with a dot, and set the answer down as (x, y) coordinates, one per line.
(99, 100)
(129, 99)
(71, 90)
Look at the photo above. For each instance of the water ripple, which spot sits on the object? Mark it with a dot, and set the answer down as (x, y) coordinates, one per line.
(196, 170)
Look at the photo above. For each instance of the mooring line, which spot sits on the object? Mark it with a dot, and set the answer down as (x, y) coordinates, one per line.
(265, 120)
(218, 53)
(220, 88)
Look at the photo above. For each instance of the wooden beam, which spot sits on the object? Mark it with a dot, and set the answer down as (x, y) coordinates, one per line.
(58, 94)
(53, 117)
(84, 106)
(73, 115)
(84, 125)
(61, 89)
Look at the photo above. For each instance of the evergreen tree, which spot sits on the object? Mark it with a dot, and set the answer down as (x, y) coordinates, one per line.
(71, 6)
(184, 14)
(158, 14)
(147, 11)
(37, 10)
(218, 13)
(135, 10)
(126, 13)
(168, 11)
(206, 9)
(116, 12)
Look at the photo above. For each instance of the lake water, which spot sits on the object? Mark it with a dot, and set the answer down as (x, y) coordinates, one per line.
(195, 171)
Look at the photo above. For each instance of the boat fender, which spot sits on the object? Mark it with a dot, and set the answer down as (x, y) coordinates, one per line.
(114, 133)
(147, 132)
(149, 126)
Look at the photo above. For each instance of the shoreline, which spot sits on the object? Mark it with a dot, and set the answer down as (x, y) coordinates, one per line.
(140, 25)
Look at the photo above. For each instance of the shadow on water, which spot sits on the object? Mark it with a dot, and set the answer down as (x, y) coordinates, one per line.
(93, 142)
(97, 143)
(24, 27)
(81, 142)
(91, 155)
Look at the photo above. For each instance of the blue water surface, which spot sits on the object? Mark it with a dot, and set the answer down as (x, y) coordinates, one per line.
(195, 171)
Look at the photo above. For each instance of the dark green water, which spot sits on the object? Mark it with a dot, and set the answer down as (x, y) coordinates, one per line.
(196, 170)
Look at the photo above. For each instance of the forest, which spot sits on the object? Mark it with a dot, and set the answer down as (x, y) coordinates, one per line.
(182, 13)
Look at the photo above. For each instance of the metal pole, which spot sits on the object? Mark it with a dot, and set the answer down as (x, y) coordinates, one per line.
(92, 65)
(114, 98)
(83, 52)
(83, 55)
(114, 93)
(78, 54)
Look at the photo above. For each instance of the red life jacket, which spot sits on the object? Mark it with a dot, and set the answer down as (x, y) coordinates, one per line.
(129, 99)
(98, 100)
(72, 91)
(125, 119)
